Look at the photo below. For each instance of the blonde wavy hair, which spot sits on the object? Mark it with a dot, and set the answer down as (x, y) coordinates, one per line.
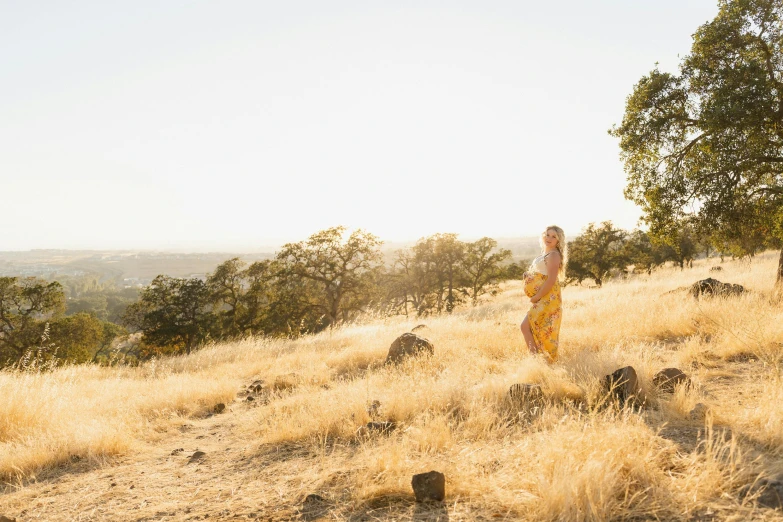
(562, 247)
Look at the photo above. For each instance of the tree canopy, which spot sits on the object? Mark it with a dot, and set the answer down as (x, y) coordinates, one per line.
(707, 143)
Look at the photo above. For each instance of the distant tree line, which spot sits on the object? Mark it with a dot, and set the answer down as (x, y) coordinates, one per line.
(603, 250)
(330, 278)
(35, 329)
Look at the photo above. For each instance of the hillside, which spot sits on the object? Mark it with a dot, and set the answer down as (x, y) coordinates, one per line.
(91, 443)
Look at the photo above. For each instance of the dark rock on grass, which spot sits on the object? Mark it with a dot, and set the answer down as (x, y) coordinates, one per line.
(623, 385)
(314, 506)
(429, 486)
(4, 518)
(381, 427)
(197, 456)
(699, 412)
(250, 398)
(286, 382)
(712, 287)
(770, 493)
(668, 379)
(526, 397)
(374, 409)
(219, 408)
(525, 392)
(408, 345)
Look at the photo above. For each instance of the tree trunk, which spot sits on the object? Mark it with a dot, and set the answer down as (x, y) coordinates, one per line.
(779, 278)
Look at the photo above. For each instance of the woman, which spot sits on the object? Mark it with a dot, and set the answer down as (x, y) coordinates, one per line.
(541, 327)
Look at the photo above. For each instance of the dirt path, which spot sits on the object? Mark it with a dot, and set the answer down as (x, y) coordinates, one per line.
(167, 481)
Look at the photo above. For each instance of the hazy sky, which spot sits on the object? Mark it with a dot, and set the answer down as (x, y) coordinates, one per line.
(209, 125)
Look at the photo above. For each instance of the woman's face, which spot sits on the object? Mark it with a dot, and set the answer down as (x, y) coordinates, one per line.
(550, 238)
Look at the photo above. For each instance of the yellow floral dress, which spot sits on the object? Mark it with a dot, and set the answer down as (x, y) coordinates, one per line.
(546, 314)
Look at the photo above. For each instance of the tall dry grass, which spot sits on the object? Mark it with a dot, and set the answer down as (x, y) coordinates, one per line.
(573, 459)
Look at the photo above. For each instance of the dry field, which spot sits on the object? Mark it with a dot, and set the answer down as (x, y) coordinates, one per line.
(90, 443)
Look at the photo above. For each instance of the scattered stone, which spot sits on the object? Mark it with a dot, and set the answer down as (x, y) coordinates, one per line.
(314, 506)
(286, 382)
(429, 486)
(374, 409)
(699, 412)
(219, 408)
(716, 269)
(713, 287)
(419, 327)
(623, 385)
(113, 484)
(527, 397)
(382, 426)
(250, 399)
(256, 386)
(408, 344)
(196, 457)
(771, 493)
(177, 451)
(4, 518)
(668, 379)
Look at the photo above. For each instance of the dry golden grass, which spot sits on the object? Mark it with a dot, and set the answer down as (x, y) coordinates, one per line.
(575, 458)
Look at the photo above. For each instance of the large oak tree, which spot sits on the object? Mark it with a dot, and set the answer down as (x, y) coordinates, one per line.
(707, 143)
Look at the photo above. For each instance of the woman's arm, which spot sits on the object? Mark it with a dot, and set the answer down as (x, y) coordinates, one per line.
(552, 266)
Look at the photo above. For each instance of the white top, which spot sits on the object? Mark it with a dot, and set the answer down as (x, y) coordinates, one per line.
(539, 264)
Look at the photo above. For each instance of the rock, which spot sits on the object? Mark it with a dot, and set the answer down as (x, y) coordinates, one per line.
(286, 382)
(713, 287)
(177, 451)
(716, 269)
(314, 506)
(219, 408)
(429, 486)
(382, 426)
(408, 344)
(528, 397)
(374, 409)
(623, 385)
(668, 378)
(770, 493)
(699, 412)
(4, 518)
(250, 399)
(196, 457)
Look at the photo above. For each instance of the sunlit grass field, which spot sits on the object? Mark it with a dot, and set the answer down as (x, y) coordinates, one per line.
(577, 458)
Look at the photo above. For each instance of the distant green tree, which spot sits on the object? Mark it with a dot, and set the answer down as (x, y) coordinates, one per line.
(174, 315)
(339, 272)
(243, 296)
(78, 338)
(25, 306)
(681, 244)
(596, 252)
(413, 280)
(482, 267)
(449, 257)
(707, 143)
(643, 253)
